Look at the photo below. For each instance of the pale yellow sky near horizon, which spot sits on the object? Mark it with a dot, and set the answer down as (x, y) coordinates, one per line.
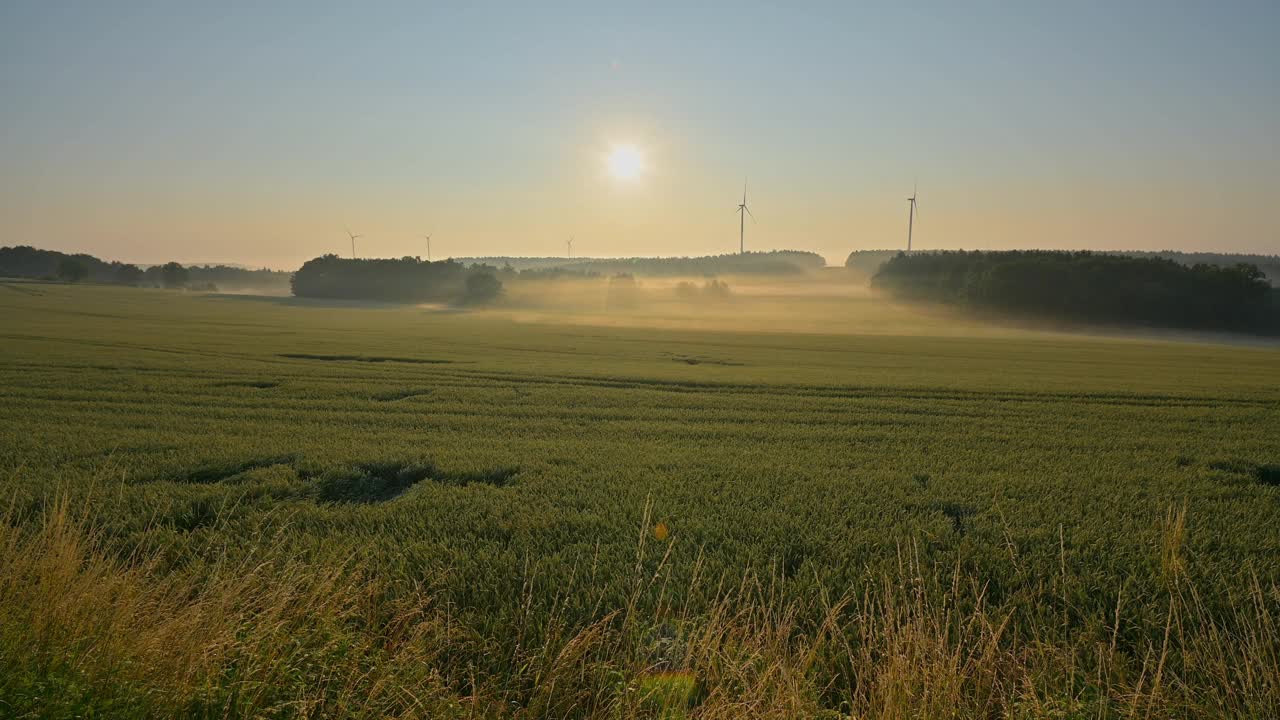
(635, 221)
(236, 134)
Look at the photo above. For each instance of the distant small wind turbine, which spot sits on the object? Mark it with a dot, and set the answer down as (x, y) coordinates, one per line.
(570, 245)
(428, 238)
(353, 242)
(911, 214)
(743, 212)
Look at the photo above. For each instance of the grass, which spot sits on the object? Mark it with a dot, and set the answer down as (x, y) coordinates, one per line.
(900, 517)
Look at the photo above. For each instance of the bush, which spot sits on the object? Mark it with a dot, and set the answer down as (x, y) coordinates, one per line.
(126, 274)
(72, 270)
(481, 288)
(711, 290)
(623, 292)
(173, 275)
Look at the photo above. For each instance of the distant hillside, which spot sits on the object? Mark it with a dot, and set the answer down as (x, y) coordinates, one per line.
(776, 262)
(868, 262)
(29, 262)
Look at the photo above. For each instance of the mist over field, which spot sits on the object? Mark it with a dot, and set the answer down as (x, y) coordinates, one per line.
(771, 304)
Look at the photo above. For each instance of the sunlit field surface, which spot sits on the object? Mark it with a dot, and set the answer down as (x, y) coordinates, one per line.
(231, 506)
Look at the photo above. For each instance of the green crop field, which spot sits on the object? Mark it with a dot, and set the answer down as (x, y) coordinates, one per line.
(246, 506)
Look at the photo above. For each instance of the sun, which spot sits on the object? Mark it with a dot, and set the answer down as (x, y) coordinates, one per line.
(625, 162)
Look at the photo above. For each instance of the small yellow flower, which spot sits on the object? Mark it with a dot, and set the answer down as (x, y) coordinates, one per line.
(660, 531)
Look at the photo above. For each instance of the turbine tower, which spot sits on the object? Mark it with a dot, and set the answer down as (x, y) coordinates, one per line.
(353, 242)
(911, 214)
(743, 212)
(570, 246)
(428, 238)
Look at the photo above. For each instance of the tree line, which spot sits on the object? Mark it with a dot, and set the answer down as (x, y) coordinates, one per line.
(1089, 287)
(772, 262)
(407, 279)
(867, 262)
(28, 262)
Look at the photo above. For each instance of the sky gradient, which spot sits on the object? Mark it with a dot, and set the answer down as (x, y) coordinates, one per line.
(229, 132)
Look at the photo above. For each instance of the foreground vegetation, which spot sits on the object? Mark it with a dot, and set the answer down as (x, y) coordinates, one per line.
(243, 507)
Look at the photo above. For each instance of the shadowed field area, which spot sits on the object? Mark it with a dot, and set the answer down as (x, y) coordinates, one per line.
(229, 506)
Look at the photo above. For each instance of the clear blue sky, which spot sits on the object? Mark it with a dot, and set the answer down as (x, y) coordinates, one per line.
(233, 132)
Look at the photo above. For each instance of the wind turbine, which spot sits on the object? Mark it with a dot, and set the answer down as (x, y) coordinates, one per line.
(428, 237)
(911, 214)
(353, 242)
(743, 212)
(570, 245)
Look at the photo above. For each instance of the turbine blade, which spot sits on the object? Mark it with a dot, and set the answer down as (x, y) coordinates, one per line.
(753, 217)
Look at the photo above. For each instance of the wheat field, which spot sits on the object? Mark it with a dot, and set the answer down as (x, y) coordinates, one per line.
(222, 506)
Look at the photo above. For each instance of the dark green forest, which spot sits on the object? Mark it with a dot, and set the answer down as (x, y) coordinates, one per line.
(28, 262)
(1089, 287)
(405, 280)
(868, 262)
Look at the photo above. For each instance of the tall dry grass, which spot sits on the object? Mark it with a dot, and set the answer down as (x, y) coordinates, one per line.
(81, 628)
(84, 632)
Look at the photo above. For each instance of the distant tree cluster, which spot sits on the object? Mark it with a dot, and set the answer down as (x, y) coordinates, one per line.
(775, 262)
(1089, 287)
(868, 262)
(408, 279)
(171, 274)
(1268, 264)
(623, 292)
(508, 272)
(230, 277)
(710, 290)
(29, 262)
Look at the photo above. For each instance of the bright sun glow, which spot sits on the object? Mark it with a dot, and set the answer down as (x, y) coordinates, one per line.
(625, 162)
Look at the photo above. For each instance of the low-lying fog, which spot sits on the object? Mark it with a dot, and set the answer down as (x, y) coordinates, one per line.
(831, 302)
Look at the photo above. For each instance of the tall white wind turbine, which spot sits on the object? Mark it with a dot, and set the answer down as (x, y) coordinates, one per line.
(743, 212)
(911, 214)
(353, 242)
